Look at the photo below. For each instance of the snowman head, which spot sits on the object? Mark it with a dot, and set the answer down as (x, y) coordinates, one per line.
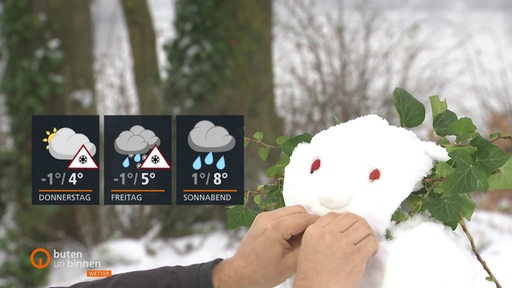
(364, 166)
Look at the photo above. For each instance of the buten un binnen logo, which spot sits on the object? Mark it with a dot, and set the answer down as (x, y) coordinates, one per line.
(37, 262)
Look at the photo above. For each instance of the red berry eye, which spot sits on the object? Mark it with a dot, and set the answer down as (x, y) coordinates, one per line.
(374, 175)
(315, 165)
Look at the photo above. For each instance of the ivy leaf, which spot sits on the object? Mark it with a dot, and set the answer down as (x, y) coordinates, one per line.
(398, 216)
(449, 209)
(263, 153)
(278, 169)
(437, 105)
(238, 216)
(463, 128)
(275, 196)
(466, 177)
(503, 178)
(416, 203)
(488, 157)
(495, 135)
(410, 110)
(246, 142)
(442, 123)
(258, 135)
(291, 143)
(468, 148)
(443, 169)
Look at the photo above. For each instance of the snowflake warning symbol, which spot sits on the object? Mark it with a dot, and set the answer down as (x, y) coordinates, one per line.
(155, 160)
(83, 160)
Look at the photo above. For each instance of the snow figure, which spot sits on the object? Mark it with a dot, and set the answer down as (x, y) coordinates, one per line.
(368, 167)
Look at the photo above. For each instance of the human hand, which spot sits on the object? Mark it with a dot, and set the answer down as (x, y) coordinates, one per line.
(334, 252)
(268, 253)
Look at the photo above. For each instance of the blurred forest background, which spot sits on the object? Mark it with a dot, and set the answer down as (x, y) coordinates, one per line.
(288, 66)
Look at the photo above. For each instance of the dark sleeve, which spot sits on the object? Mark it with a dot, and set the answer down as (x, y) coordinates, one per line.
(193, 276)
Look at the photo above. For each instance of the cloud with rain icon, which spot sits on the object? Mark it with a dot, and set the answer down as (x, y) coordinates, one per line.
(206, 137)
(134, 142)
(64, 143)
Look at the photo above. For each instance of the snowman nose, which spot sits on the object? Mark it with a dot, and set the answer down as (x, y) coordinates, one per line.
(334, 202)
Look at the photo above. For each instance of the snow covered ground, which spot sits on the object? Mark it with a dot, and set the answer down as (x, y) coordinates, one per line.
(492, 232)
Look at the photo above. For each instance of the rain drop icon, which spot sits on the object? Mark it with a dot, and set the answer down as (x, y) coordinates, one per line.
(208, 160)
(126, 162)
(137, 158)
(197, 163)
(221, 164)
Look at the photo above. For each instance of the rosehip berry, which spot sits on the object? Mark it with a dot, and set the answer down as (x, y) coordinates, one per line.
(374, 175)
(315, 165)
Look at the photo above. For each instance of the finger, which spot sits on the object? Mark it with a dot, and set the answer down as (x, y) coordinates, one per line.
(358, 231)
(289, 210)
(368, 246)
(296, 224)
(340, 222)
(327, 219)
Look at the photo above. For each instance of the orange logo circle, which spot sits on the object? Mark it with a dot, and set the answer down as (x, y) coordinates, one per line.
(39, 264)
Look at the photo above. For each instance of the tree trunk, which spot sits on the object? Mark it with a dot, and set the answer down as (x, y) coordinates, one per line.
(252, 82)
(143, 48)
(73, 24)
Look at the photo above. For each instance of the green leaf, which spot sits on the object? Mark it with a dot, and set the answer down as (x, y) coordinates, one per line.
(416, 203)
(488, 157)
(468, 148)
(281, 140)
(503, 178)
(246, 142)
(443, 169)
(450, 209)
(462, 157)
(462, 127)
(495, 135)
(257, 199)
(437, 105)
(263, 153)
(258, 135)
(410, 110)
(291, 143)
(278, 169)
(239, 216)
(275, 196)
(398, 216)
(442, 123)
(466, 177)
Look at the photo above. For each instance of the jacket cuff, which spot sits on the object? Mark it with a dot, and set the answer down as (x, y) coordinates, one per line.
(205, 273)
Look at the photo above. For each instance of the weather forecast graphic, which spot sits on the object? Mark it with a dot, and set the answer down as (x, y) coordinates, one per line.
(210, 160)
(64, 160)
(138, 153)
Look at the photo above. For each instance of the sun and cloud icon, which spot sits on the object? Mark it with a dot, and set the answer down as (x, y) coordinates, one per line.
(64, 143)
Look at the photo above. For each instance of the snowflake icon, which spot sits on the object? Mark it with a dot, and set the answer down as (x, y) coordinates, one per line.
(155, 159)
(82, 159)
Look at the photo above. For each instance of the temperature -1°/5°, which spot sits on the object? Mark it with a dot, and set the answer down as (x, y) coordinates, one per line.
(134, 178)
